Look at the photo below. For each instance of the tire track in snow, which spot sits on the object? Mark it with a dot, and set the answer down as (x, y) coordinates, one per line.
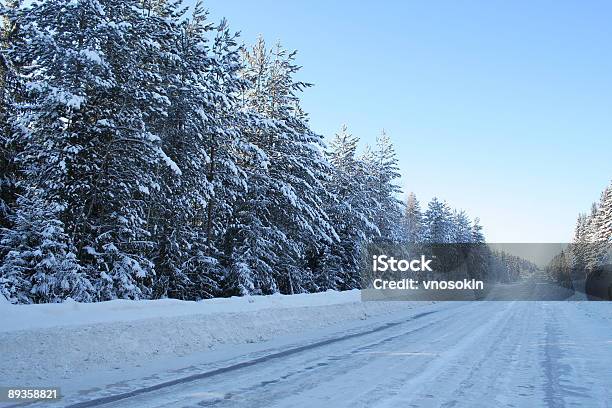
(118, 397)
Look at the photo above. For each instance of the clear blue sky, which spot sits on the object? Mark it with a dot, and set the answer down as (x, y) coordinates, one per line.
(501, 108)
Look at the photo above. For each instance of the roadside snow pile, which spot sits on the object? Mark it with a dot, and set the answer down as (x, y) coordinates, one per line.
(70, 313)
(61, 341)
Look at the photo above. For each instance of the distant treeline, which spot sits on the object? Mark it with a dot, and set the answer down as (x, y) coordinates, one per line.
(591, 247)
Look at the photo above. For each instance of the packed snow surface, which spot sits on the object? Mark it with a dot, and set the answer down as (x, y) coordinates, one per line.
(64, 343)
(327, 349)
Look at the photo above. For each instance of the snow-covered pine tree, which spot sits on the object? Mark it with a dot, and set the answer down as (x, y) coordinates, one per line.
(380, 174)
(251, 242)
(9, 88)
(560, 269)
(232, 155)
(590, 223)
(600, 231)
(603, 219)
(41, 265)
(202, 138)
(94, 83)
(461, 238)
(584, 248)
(462, 228)
(580, 230)
(580, 246)
(480, 258)
(385, 174)
(285, 200)
(181, 194)
(438, 223)
(477, 234)
(413, 220)
(337, 265)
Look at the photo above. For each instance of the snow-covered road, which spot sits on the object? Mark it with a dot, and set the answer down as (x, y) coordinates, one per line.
(478, 354)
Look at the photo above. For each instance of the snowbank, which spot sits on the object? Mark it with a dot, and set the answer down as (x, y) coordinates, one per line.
(70, 313)
(61, 342)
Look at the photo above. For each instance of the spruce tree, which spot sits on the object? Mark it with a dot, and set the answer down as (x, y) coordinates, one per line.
(477, 234)
(10, 38)
(283, 214)
(438, 223)
(600, 231)
(337, 264)
(413, 220)
(462, 231)
(94, 83)
(386, 191)
(41, 266)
